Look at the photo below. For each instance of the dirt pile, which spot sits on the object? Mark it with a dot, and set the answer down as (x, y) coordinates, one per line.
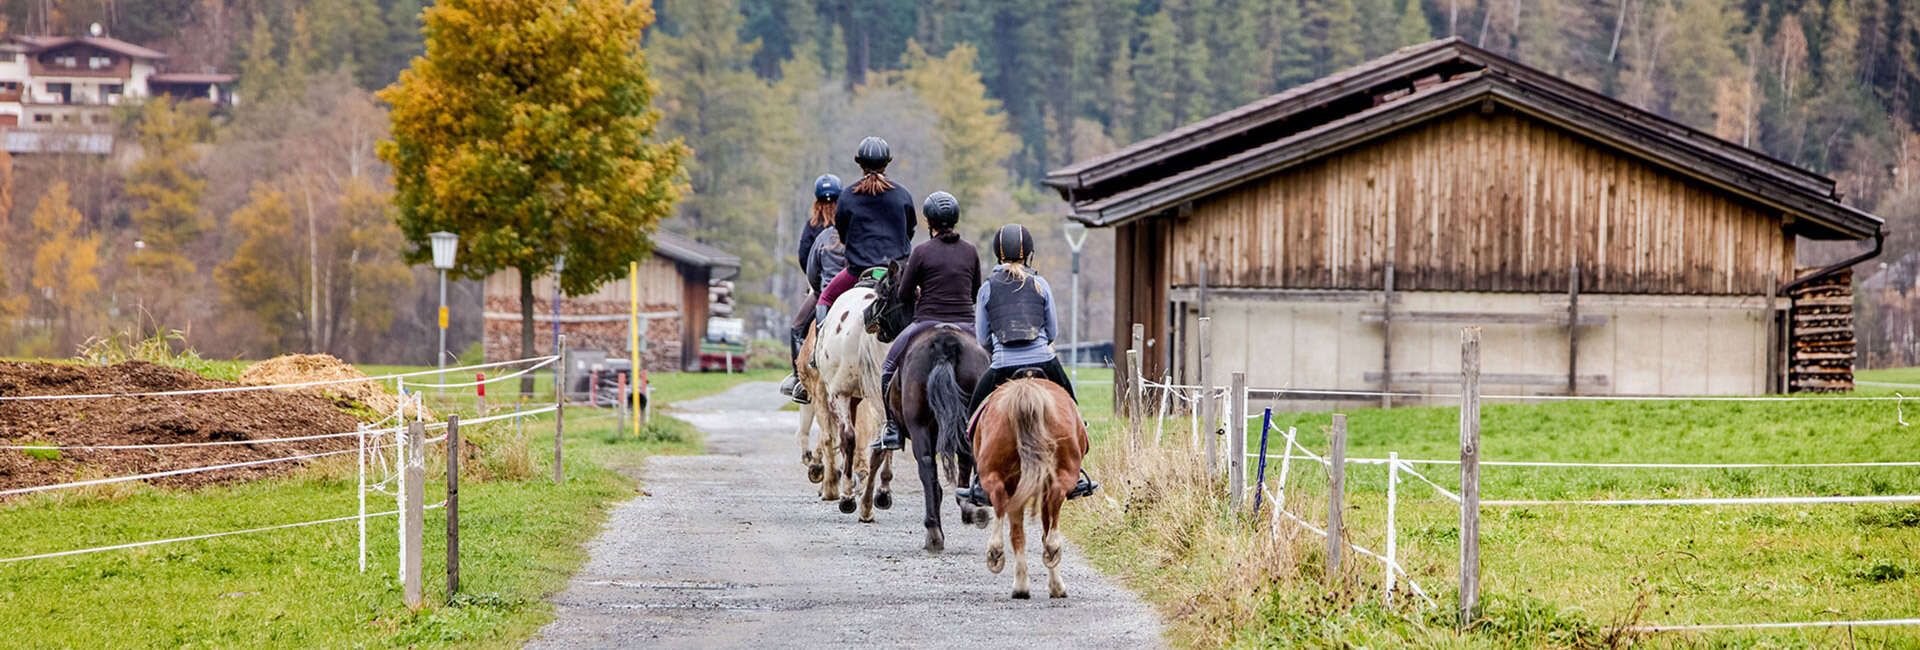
(247, 415)
(301, 368)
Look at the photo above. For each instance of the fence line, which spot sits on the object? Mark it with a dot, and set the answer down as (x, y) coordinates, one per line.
(1393, 565)
(546, 361)
(243, 389)
(1602, 465)
(189, 538)
(174, 472)
(1882, 622)
(1577, 398)
(1707, 501)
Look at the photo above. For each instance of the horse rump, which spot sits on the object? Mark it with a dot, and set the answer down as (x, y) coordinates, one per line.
(1026, 407)
(949, 402)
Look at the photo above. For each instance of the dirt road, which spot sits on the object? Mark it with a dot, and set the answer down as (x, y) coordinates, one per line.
(732, 549)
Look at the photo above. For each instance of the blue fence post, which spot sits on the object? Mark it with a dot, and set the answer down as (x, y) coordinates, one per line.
(1260, 473)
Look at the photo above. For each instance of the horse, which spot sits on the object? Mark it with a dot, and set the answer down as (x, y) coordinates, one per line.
(930, 395)
(848, 360)
(816, 456)
(1029, 446)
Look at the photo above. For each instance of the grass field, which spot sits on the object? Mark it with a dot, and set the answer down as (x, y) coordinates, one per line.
(521, 537)
(1559, 575)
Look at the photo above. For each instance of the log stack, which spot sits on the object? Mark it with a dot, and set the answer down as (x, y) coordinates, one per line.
(1823, 343)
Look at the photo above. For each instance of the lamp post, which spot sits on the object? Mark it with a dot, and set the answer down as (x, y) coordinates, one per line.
(1076, 233)
(444, 246)
(559, 265)
(140, 288)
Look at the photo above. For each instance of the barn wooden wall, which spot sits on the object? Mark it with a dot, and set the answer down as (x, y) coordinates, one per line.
(1481, 203)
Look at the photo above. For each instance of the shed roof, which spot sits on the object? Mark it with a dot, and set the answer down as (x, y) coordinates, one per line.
(685, 250)
(1409, 87)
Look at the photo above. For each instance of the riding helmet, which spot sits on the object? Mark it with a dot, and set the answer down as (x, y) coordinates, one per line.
(1013, 243)
(826, 188)
(942, 210)
(873, 153)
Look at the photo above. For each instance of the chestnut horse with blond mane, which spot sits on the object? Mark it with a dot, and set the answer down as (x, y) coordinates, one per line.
(1027, 447)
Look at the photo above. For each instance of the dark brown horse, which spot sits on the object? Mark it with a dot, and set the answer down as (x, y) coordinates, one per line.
(929, 394)
(1029, 444)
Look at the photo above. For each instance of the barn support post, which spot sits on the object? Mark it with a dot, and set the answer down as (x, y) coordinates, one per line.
(414, 473)
(1469, 475)
(559, 414)
(1573, 329)
(1237, 443)
(1336, 497)
(453, 505)
(1203, 399)
(1386, 339)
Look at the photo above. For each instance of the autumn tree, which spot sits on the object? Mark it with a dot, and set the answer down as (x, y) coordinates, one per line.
(11, 304)
(266, 277)
(973, 132)
(527, 129)
(166, 187)
(66, 260)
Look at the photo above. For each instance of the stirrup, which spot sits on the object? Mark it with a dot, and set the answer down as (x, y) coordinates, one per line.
(799, 394)
(890, 439)
(1084, 487)
(972, 495)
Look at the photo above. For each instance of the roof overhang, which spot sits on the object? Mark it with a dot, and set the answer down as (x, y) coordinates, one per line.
(1412, 86)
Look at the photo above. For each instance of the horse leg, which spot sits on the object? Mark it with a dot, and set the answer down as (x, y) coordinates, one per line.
(930, 488)
(969, 514)
(996, 547)
(1017, 536)
(874, 459)
(1050, 541)
(815, 471)
(847, 444)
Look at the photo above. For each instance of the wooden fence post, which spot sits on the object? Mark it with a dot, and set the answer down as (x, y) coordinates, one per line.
(1166, 397)
(1336, 497)
(453, 505)
(1133, 398)
(1237, 443)
(1469, 475)
(412, 492)
(1386, 339)
(560, 413)
(1204, 398)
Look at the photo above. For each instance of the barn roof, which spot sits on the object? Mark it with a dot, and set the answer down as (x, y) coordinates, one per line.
(683, 249)
(1409, 87)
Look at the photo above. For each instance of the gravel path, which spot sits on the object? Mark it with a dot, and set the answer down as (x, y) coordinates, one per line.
(733, 549)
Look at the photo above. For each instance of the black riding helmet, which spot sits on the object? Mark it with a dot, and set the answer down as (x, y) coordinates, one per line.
(826, 188)
(873, 153)
(1013, 243)
(942, 210)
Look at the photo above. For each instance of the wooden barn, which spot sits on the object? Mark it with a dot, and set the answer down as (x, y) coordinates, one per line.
(674, 283)
(1339, 234)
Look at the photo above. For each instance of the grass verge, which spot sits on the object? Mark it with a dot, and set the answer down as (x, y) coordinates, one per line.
(522, 536)
(1552, 576)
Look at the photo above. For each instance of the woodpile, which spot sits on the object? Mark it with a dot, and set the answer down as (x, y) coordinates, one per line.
(1823, 342)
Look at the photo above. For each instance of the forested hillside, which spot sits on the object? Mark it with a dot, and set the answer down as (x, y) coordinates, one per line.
(979, 97)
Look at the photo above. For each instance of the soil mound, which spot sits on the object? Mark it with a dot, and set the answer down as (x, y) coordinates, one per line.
(248, 415)
(300, 368)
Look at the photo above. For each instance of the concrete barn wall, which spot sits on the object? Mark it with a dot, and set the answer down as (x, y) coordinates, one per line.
(1648, 345)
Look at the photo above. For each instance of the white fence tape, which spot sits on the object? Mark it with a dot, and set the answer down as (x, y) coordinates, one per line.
(490, 380)
(1706, 501)
(243, 389)
(189, 538)
(1882, 622)
(1577, 398)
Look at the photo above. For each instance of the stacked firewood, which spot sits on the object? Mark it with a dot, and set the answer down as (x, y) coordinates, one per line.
(1823, 344)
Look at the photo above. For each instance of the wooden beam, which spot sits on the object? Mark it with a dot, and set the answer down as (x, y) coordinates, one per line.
(1573, 331)
(1497, 379)
(1386, 338)
(1484, 318)
(1469, 475)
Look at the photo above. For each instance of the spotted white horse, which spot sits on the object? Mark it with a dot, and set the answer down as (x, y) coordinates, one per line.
(848, 361)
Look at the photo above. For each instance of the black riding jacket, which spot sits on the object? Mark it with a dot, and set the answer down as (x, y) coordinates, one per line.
(877, 228)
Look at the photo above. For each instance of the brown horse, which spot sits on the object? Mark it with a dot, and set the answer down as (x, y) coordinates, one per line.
(1029, 446)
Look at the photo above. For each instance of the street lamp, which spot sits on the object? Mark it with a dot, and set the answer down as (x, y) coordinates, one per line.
(1076, 233)
(559, 266)
(140, 290)
(445, 244)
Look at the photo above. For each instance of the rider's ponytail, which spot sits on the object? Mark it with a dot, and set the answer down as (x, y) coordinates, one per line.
(822, 213)
(874, 182)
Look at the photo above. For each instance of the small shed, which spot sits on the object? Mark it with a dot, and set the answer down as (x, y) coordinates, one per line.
(673, 285)
(1339, 234)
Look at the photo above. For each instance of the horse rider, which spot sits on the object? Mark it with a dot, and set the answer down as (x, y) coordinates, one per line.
(875, 219)
(937, 287)
(1014, 319)
(826, 193)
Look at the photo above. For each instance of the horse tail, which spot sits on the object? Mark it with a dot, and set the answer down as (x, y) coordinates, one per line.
(1027, 405)
(949, 402)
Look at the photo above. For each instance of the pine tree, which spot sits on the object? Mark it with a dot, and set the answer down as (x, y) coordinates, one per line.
(66, 262)
(1696, 67)
(1157, 75)
(1293, 55)
(1379, 25)
(1236, 74)
(167, 187)
(973, 132)
(1122, 99)
(1335, 26)
(1412, 27)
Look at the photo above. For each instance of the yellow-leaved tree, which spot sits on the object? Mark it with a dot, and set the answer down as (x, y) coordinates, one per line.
(65, 262)
(973, 130)
(266, 277)
(167, 186)
(527, 129)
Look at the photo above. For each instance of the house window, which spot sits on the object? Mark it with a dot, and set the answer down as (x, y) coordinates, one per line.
(111, 92)
(42, 118)
(60, 93)
(98, 118)
(66, 61)
(98, 62)
(66, 119)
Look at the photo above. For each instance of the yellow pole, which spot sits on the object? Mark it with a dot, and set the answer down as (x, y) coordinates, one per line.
(633, 343)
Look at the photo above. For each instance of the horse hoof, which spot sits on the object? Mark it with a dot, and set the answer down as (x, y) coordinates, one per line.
(996, 560)
(883, 500)
(866, 518)
(936, 542)
(1058, 593)
(816, 473)
(1021, 594)
(846, 506)
(981, 518)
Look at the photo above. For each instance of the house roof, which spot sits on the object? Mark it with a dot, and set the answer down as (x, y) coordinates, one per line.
(1409, 87)
(43, 43)
(685, 250)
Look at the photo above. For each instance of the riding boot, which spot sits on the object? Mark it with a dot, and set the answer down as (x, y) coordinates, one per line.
(890, 438)
(1084, 487)
(972, 495)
